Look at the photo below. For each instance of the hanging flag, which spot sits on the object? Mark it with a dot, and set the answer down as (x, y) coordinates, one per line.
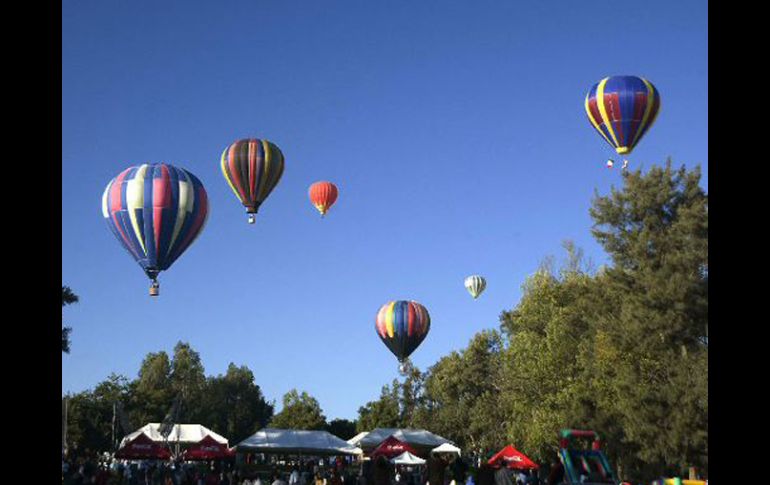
(171, 418)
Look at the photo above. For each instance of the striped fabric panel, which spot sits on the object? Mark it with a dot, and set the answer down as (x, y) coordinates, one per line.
(155, 211)
(252, 169)
(621, 109)
(402, 326)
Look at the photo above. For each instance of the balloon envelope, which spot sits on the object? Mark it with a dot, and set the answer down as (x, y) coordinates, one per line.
(622, 109)
(252, 168)
(323, 195)
(402, 326)
(155, 211)
(475, 285)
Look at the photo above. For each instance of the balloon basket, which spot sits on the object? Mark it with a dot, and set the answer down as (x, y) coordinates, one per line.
(155, 289)
(252, 218)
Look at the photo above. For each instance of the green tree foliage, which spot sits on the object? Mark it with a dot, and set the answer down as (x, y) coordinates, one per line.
(382, 413)
(300, 411)
(622, 350)
(152, 394)
(655, 338)
(399, 406)
(342, 428)
(542, 373)
(233, 404)
(462, 394)
(230, 404)
(187, 380)
(68, 297)
(90, 414)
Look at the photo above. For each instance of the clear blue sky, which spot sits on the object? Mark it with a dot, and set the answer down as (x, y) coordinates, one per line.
(455, 131)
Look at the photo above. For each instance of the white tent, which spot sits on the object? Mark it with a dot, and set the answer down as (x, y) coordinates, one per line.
(446, 448)
(180, 433)
(414, 437)
(357, 438)
(407, 458)
(270, 440)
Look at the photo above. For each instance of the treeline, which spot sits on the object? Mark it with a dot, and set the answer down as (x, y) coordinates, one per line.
(231, 404)
(622, 350)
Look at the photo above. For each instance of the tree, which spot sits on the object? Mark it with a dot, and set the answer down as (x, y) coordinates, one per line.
(382, 413)
(68, 297)
(233, 405)
(152, 393)
(542, 374)
(655, 339)
(91, 413)
(342, 428)
(461, 397)
(300, 411)
(187, 379)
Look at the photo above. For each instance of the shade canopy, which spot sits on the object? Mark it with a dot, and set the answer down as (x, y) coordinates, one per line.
(414, 437)
(446, 448)
(142, 447)
(407, 458)
(184, 434)
(392, 447)
(292, 441)
(513, 459)
(208, 449)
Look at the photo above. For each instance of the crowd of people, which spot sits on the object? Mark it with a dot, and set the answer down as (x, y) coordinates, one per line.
(104, 470)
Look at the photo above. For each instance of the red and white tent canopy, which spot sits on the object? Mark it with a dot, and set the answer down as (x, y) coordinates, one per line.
(392, 447)
(148, 443)
(513, 459)
(208, 449)
(142, 447)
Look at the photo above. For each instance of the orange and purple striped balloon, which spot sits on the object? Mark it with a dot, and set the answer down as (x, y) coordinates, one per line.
(402, 326)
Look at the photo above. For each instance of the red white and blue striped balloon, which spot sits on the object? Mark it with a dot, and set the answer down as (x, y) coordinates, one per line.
(155, 211)
(622, 109)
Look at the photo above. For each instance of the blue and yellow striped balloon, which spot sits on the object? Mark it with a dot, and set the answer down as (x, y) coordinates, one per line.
(155, 211)
(622, 109)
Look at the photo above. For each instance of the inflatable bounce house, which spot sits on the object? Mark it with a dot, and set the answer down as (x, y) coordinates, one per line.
(580, 465)
(678, 481)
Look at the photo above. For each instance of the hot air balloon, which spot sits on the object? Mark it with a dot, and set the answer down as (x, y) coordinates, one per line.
(475, 285)
(402, 326)
(323, 195)
(156, 211)
(252, 168)
(622, 109)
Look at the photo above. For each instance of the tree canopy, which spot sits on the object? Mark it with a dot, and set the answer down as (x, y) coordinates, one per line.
(300, 411)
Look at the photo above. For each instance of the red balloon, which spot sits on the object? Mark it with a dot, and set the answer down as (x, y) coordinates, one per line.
(323, 195)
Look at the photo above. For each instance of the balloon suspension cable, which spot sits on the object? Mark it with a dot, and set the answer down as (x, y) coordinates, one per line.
(155, 288)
